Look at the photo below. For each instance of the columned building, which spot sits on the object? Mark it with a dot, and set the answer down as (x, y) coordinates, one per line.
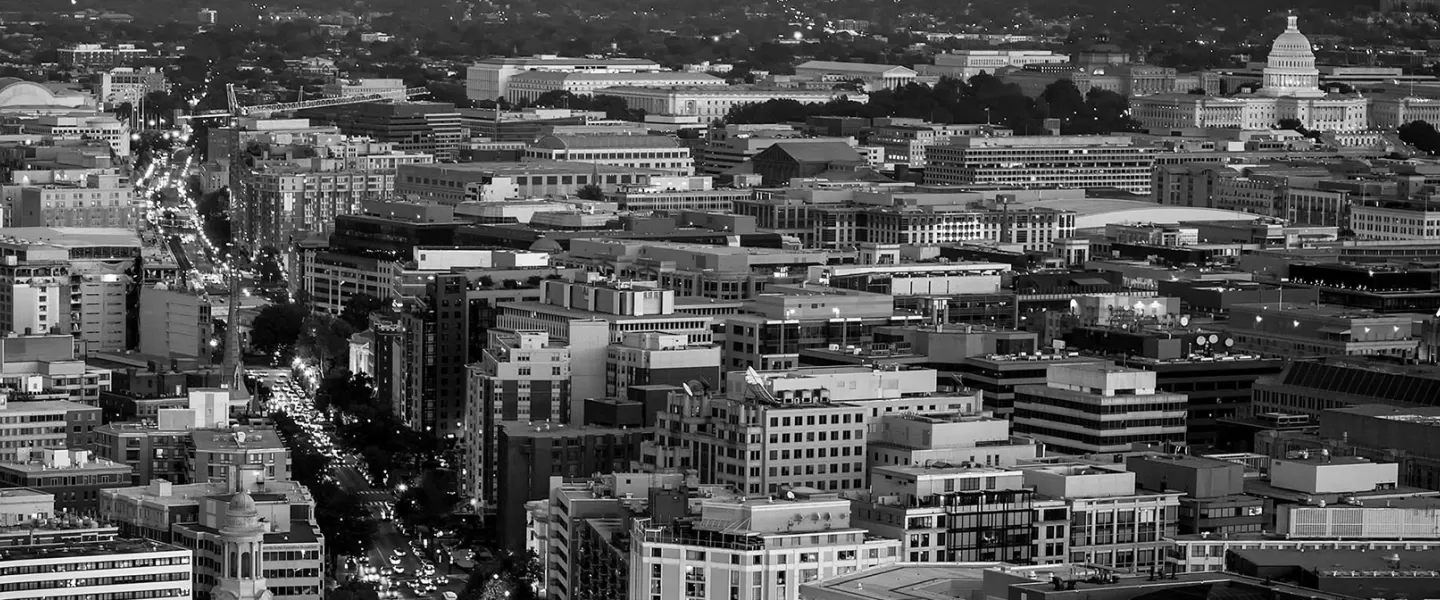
(1291, 90)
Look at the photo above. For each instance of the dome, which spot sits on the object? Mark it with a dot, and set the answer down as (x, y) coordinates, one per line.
(1292, 43)
(546, 245)
(241, 503)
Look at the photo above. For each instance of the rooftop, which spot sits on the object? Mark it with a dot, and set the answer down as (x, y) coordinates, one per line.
(245, 438)
(851, 67)
(530, 429)
(114, 547)
(70, 237)
(581, 142)
(903, 581)
(38, 466)
(1347, 561)
(276, 490)
(538, 167)
(43, 406)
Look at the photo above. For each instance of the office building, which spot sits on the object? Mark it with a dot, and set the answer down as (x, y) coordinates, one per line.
(142, 568)
(528, 87)
(35, 425)
(589, 316)
(693, 269)
(530, 454)
(946, 439)
(964, 64)
(906, 143)
(1112, 523)
(784, 161)
(943, 513)
(150, 451)
(129, 84)
(777, 430)
(751, 549)
(69, 280)
(487, 182)
(428, 128)
(661, 153)
(787, 319)
(918, 279)
(72, 477)
(279, 199)
(252, 538)
(175, 323)
(489, 79)
(97, 55)
(1214, 502)
(659, 358)
(1319, 478)
(1030, 162)
(999, 374)
(520, 377)
(1095, 408)
(28, 518)
(1295, 331)
(711, 102)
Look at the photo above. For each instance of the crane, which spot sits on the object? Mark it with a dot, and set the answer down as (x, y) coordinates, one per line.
(236, 110)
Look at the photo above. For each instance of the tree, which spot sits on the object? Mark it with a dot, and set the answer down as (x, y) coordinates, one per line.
(591, 192)
(1197, 92)
(324, 338)
(277, 327)
(1421, 135)
(358, 308)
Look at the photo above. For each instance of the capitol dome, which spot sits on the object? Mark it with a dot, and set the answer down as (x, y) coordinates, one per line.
(1290, 70)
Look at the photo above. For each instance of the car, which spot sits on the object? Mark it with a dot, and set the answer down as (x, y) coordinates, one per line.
(399, 551)
(442, 580)
(425, 580)
(397, 569)
(395, 560)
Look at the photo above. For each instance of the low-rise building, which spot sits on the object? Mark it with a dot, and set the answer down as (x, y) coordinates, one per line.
(943, 513)
(144, 568)
(71, 476)
(1112, 523)
(1096, 408)
(635, 151)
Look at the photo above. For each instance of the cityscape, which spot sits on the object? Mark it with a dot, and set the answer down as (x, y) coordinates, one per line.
(467, 300)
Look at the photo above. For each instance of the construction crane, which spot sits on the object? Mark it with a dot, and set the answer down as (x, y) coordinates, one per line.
(236, 110)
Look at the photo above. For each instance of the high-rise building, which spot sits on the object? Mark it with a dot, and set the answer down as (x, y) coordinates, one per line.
(176, 324)
(103, 201)
(1095, 408)
(69, 280)
(1072, 161)
(659, 358)
(759, 548)
(425, 351)
(280, 198)
(521, 376)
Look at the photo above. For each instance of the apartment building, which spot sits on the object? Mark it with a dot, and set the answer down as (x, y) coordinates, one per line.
(68, 280)
(281, 198)
(521, 376)
(176, 323)
(752, 549)
(656, 152)
(1095, 408)
(129, 84)
(1042, 162)
(35, 425)
(97, 55)
(943, 513)
(102, 201)
(150, 451)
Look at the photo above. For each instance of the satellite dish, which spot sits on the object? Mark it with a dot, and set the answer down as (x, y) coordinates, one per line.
(1200, 339)
(1214, 338)
(1184, 320)
(688, 391)
(1229, 342)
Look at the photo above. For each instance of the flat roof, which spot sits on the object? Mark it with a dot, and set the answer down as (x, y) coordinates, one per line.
(43, 406)
(1347, 560)
(24, 493)
(224, 439)
(185, 494)
(71, 237)
(83, 549)
(538, 167)
(38, 466)
(903, 581)
(529, 429)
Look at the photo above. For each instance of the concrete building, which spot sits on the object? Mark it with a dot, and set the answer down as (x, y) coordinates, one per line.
(634, 151)
(97, 55)
(757, 548)
(280, 198)
(658, 358)
(68, 280)
(943, 513)
(1112, 523)
(411, 127)
(906, 144)
(238, 555)
(715, 101)
(801, 428)
(1095, 408)
(1042, 162)
(787, 319)
(128, 84)
(872, 76)
(528, 87)
(521, 376)
(489, 79)
(147, 569)
(921, 279)
(999, 374)
(151, 452)
(35, 425)
(71, 476)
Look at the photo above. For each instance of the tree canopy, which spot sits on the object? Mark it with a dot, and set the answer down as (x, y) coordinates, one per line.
(277, 327)
(1422, 135)
(358, 308)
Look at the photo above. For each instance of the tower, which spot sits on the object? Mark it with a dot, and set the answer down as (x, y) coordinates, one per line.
(243, 536)
(1290, 70)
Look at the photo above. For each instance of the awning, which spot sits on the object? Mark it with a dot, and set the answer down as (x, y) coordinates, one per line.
(1089, 281)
